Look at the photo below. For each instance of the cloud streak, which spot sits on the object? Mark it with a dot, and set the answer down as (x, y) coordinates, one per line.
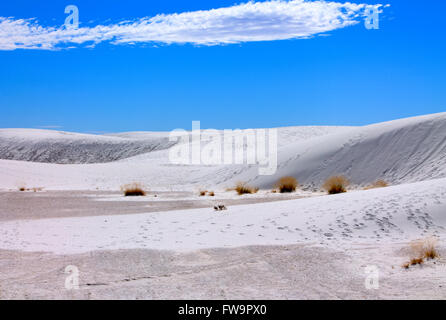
(247, 22)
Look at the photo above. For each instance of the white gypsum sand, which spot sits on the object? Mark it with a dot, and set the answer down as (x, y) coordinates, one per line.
(406, 150)
(305, 237)
(386, 215)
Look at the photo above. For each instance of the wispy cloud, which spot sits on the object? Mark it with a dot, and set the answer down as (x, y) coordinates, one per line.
(252, 21)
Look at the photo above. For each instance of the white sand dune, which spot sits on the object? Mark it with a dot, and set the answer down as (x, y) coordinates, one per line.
(71, 161)
(406, 150)
(400, 151)
(321, 242)
(50, 146)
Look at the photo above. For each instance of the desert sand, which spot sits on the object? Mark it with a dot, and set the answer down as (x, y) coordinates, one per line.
(305, 245)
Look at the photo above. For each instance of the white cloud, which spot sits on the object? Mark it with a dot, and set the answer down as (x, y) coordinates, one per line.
(252, 21)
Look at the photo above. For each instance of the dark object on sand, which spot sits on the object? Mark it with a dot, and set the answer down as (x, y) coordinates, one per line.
(220, 207)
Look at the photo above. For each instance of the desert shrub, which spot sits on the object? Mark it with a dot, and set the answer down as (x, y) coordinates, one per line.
(243, 188)
(133, 189)
(422, 249)
(377, 184)
(425, 248)
(286, 184)
(336, 184)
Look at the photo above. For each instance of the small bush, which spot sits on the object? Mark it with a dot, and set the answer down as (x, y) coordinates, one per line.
(133, 189)
(377, 184)
(426, 248)
(243, 188)
(286, 184)
(336, 184)
(429, 250)
(422, 249)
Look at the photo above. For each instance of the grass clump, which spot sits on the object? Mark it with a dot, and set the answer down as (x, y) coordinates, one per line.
(422, 250)
(377, 184)
(243, 188)
(286, 184)
(133, 189)
(336, 184)
(426, 248)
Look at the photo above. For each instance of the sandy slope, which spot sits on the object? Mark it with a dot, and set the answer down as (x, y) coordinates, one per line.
(313, 248)
(66, 147)
(256, 272)
(49, 146)
(406, 150)
(151, 168)
(320, 244)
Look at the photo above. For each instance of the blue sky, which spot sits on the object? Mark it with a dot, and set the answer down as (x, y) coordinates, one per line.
(348, 76)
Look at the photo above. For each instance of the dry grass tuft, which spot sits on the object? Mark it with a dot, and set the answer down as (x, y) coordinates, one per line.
(422, 249)
(425, 248)
(133, 189)
(243, 188)
(286, 184)
(336, 184)
(377, 184)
